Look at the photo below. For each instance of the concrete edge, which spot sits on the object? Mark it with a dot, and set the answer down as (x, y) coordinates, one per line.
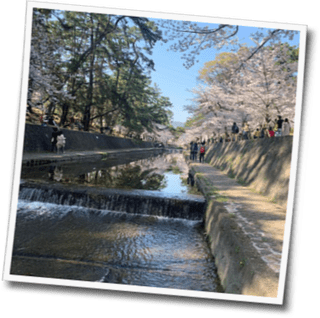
(37, 160)
(240, 267)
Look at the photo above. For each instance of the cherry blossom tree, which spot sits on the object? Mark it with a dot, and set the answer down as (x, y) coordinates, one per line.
(44, 83)
(254, 92)
(190, 38)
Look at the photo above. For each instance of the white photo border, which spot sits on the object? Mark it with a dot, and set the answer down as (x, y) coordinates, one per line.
(20, 139)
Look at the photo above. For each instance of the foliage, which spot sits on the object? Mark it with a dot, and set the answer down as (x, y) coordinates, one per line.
(194, 119)
(191, 38)
(95, 68)
(253, 93)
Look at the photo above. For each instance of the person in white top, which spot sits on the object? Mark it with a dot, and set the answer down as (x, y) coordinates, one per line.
(286, 128)
(61, 142)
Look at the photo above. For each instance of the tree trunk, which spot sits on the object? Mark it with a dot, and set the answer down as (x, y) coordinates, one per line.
(87, 111)
(65, 111)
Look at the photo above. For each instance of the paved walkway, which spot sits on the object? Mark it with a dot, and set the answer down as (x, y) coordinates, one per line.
(261, 220)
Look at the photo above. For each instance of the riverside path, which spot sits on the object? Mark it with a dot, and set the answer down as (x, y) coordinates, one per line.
(253, 238)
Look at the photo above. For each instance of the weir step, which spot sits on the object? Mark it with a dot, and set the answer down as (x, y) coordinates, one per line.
(154, 203)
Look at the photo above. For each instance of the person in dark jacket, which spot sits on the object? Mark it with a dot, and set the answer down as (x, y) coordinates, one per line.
(279, 124)
(195, 151)
(235, 132)
(54, 136)
(191, 150)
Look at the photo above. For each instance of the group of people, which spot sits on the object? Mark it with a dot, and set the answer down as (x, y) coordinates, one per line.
(196, 147)
(58, 141)
(281, 128)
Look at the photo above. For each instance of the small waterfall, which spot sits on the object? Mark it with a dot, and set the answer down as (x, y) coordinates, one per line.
(131, 201)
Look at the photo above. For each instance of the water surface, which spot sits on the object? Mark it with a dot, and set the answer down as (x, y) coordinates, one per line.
(91, 244)
(72, 242)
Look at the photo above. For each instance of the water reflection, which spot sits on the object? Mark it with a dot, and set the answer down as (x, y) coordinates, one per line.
(55, 173)
(123, 177)
(160, 173)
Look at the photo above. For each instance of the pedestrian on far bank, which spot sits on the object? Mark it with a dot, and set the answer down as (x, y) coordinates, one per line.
(61, 142)
(54, 136)
(195, 151)
(279, 124)
(235, 132)
(256, 135)
(286, 128)
(270, 132)
(246, 131)
(202, 152)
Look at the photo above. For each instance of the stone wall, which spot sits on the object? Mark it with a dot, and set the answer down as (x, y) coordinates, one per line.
(37, 139)
(240, 268)
(262, 164)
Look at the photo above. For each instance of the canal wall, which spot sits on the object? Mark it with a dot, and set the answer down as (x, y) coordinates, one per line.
(260, 164)
(37, 139)
(246, 187)
(240, 267)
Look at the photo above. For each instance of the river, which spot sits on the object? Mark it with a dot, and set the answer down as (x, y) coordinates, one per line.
(81, 242)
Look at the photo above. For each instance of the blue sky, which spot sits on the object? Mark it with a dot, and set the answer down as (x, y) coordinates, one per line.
(175, 81)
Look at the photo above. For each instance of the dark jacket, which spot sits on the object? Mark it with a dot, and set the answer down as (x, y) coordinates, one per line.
(195, 147)
(279, 123)
(235, 129)
(54, 136)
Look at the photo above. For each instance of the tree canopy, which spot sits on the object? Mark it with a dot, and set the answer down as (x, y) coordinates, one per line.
(254, 92)
(95, 67)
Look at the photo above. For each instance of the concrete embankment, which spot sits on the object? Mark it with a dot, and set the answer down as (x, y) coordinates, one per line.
(244, 225)
(79, 146)
(38, 139)
(263, 165)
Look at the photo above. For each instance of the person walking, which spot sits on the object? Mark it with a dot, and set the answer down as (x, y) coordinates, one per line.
(195, 151)
(191, 150)
(202, 152)
(54, 136)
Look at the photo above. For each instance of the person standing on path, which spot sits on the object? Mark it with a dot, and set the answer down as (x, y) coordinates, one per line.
(235, 132)
(202, 152)
(195, 151)
(286, 128)
(279, 124)
(54, 136)
(61, 142)
(191, 150)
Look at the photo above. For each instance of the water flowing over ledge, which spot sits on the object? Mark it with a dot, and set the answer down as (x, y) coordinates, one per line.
(184, 206)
